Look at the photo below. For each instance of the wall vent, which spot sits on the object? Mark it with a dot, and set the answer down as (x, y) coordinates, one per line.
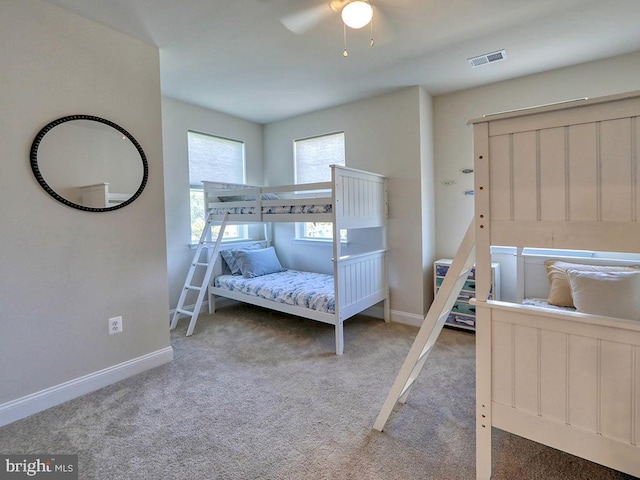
(487, 58)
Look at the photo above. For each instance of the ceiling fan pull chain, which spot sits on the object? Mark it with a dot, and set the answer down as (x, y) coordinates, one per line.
(344, 31)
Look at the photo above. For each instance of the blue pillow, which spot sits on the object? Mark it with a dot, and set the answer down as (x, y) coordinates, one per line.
(230, 259)
(255, 263)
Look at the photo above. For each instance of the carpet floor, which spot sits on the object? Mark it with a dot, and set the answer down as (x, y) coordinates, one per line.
(255, 394)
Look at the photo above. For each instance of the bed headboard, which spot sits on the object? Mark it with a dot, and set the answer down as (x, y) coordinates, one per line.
(561, 176)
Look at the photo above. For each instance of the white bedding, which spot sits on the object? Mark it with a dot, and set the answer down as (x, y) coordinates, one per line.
(292, 287)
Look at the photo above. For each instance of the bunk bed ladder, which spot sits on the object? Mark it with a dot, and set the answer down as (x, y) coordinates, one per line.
(431, 327)
(199, 263)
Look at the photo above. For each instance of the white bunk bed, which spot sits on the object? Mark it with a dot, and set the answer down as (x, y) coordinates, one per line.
(353, 199)
(563, 176)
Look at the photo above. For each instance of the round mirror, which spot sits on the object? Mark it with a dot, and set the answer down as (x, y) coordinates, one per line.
(89, 163)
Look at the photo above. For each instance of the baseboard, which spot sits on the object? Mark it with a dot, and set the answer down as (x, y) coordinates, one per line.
(396, 316)
(407, 318)
(50, 397)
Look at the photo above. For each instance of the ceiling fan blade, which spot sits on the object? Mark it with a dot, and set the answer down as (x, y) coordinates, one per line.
(305, 20)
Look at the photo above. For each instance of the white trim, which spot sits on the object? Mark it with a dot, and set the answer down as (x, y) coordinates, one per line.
(407, 318)
(50, 397)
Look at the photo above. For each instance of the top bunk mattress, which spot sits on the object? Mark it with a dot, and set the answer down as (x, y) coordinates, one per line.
(292, 287)
(280, 209)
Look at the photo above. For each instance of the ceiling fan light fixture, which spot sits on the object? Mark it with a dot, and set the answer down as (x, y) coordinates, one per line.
(357, 14)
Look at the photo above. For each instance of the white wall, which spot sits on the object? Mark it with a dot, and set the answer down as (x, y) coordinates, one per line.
(453, 138)
(177, 118)
(428, 197)
(384, 134)
(65, 271)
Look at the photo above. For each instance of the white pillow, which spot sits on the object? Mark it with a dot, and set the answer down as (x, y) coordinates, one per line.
(559, 289)
(611, 294)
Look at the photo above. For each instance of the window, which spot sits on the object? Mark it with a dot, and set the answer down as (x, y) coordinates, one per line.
(213, 158)
(312, 157)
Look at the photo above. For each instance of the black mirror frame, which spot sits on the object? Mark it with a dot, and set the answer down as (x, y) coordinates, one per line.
(36, 170)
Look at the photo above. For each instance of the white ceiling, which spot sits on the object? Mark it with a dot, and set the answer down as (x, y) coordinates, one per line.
(236, 56)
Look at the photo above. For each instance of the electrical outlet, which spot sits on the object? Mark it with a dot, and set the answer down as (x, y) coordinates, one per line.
(115, 325)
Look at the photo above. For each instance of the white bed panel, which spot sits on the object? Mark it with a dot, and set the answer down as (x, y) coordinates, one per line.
(502, 363)
(553, 375)
(616, 395)
(553, 204)
(582, 372)
(524, 175)
(361, 282)
(591, 166)
(583, 382)
(582, 172)
(359, 199)
(525, 361)
(616, 165)
(500, 173)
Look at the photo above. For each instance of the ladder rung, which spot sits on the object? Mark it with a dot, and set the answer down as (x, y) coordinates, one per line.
(184, 312)
(200, 264)
(464, 273)
(192, 287)
(407, 386)
(425, 352)
(444, 314)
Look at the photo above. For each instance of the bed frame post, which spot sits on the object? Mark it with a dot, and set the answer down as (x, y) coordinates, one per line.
(387, 302)
(519, 275)
(336, 193)
(483, 313)
(339, 337)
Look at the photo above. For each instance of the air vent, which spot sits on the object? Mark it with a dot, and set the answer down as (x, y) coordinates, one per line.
(487, 58)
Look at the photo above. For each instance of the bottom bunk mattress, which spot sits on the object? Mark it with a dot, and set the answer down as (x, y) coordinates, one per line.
(543, 303)
(292, 287)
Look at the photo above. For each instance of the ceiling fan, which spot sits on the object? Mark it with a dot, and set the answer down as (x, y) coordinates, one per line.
(355, 14)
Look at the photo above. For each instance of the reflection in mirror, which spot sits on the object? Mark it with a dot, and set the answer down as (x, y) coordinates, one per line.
(89, 163)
